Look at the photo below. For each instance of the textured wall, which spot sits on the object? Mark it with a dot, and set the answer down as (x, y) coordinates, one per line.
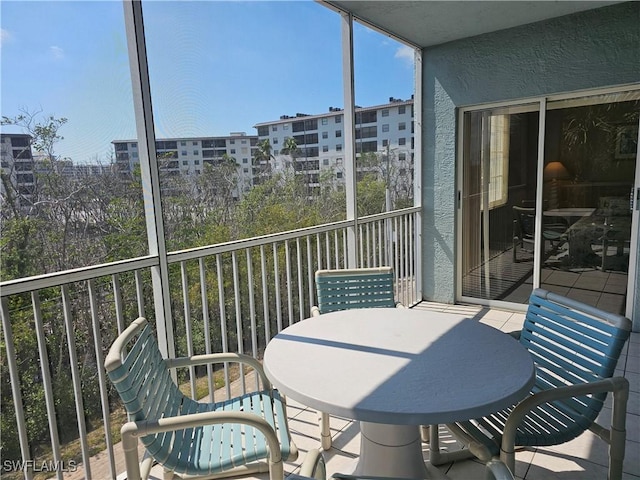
(592, 49)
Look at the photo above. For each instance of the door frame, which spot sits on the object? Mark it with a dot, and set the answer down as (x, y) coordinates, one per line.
(542, 102)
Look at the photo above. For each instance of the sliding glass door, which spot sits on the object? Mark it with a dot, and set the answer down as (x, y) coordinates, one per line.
(545, 199)
(500, 157)
(588, 181)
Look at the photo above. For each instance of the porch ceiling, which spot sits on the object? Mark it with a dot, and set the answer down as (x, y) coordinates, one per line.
(426, 23)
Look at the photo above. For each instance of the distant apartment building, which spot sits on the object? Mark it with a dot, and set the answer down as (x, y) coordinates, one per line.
(188, 156)
(17, 165)
(385, 130)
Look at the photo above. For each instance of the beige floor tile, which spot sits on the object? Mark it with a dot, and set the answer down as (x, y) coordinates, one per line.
(347, 440)
(493, 323)
(512, 326)
(499, 315)
(467, 469)
(549, 465)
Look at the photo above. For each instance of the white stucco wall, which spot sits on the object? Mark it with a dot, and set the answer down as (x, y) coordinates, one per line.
(592, 49)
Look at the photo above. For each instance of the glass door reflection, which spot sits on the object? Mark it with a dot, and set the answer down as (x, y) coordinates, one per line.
(588, 177)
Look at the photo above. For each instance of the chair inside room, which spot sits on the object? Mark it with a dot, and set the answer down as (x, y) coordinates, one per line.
(575, 348)
(351, 288)
(195, 439)
(553, 233)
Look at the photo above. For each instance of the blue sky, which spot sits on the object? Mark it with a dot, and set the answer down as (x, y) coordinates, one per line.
(215, 67)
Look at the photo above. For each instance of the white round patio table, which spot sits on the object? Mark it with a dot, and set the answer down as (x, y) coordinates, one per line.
(394, 369)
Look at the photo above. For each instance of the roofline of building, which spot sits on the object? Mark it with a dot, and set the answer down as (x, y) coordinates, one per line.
(332, 113)
(176, 139)
(2, 135)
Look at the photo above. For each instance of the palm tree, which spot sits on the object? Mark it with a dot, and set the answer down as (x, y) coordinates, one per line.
(262, 158)
(290, 147)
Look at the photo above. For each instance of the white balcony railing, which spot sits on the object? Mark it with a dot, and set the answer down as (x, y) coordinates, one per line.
(227, 297)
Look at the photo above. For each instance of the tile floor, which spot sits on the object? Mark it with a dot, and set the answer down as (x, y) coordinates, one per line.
(584, 458)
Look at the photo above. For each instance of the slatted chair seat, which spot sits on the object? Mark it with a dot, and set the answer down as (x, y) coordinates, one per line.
(575, 348)
(240, 435)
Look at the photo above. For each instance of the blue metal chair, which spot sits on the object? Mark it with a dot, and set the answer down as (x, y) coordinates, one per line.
(351, 288)
(206, 440)
(575, 348)
(354, 288)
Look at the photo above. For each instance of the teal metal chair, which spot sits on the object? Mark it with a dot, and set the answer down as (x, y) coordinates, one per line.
(354, 288)
(188, 438)
(351, 288)
(575, 348)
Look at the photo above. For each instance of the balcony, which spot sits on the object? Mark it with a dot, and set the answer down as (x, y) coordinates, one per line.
(58, 406)
(257, 287)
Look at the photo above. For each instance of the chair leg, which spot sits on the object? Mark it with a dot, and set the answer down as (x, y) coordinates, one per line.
(424, 433)
(438, 457)
(325, 431)
(130, 448)
(167, 474)
(618, 435)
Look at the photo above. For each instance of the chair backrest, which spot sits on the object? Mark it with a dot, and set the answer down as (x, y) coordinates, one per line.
(572, 343)
(136, 368)
(526, 221)
(355, 288)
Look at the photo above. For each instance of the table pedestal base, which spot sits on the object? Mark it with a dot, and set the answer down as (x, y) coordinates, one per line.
(391, 451)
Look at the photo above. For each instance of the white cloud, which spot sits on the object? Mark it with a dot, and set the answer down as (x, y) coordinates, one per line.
(57, 53)
(5, 36)
(405, 53)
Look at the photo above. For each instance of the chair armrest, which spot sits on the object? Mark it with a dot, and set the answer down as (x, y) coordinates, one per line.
(315, 311)
(499, 470)
(313, 466)
(211, 358)
(618, 385)
(132, 430)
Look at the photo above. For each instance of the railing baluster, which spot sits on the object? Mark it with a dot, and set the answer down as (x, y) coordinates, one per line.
(188, 325)
(403, 260)
(117, 297)
(14, 377)
(46, 379)
(345, 261)
(102, 380)
(206, 325)
(238, 310)
(369, 245)
(252, 312)
(396, 251)
(336, 249)
(380, 243)
(360, 239)
(265, 296)
(300, 280)
(411, 277)
(310, 270)
(276, 272)
(76, 380)
(319, 262)
(139, 293)
(287, 255)
(223, 322)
